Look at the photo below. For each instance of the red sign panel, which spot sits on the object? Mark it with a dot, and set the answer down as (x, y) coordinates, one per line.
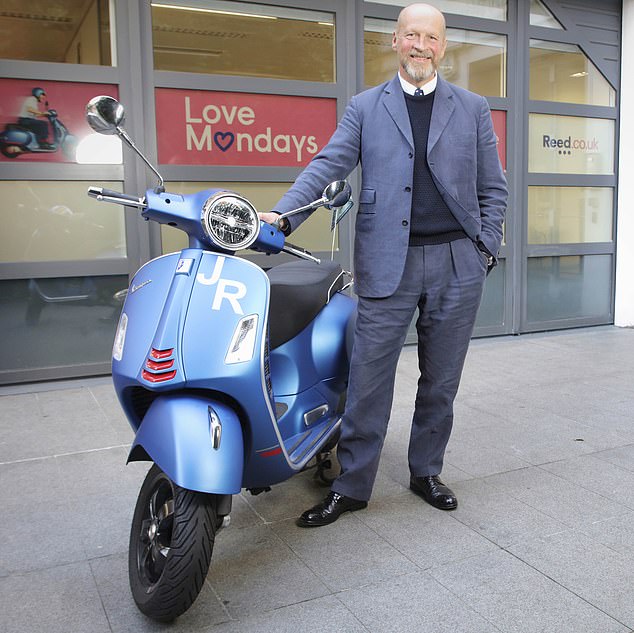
(232, 128)
(44, 120)
(499, 125)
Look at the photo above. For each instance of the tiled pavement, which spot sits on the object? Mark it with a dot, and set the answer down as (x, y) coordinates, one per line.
(542, 459)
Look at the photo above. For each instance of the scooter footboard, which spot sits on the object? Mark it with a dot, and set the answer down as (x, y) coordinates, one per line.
(197, 442)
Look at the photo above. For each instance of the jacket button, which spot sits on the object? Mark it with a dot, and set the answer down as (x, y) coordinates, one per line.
(408, 189)
(404, 222)
(411, 155)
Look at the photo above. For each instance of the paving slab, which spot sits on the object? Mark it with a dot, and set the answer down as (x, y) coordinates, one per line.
(513, 596)
(541, 458)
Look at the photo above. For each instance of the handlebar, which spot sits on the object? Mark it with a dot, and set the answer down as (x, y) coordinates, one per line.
(108, 195)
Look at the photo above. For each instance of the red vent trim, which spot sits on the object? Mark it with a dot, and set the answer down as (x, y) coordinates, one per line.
(158, 377)
(271, 453)
(161, 353)
(159, 366)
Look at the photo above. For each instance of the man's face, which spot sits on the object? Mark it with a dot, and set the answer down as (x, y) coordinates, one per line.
(419, 41)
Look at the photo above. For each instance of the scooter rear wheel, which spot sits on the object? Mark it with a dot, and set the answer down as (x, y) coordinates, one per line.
(171, 542)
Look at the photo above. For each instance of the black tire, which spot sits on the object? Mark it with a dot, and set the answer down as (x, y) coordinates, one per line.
(171, 542)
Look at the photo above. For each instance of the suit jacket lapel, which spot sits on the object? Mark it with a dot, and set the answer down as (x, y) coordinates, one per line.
(394, 101)
(440, 114)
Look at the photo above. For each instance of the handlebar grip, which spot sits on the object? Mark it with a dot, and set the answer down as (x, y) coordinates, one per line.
(96, 192)
(108, 195)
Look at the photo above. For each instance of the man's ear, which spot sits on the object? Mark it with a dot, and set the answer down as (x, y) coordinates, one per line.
(444, 48)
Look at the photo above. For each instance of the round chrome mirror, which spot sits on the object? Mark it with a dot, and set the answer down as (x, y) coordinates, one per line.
(105, 115)
(337, 193)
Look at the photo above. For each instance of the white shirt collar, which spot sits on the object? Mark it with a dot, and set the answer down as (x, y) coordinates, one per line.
(427, 88)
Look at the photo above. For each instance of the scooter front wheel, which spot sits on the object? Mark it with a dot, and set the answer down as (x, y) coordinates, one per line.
(171, 542)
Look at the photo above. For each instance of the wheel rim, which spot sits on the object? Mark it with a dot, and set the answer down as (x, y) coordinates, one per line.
(155, 537)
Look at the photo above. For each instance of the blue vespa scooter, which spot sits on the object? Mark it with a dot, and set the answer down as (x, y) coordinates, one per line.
(16, 140)
(231, 377)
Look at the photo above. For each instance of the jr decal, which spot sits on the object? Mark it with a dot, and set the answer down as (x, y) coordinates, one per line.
(225, 289)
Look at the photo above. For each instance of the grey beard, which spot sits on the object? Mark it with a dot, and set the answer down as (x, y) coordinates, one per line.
(419, 74)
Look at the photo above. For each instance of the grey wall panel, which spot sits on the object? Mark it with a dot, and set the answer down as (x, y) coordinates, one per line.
(597, 29)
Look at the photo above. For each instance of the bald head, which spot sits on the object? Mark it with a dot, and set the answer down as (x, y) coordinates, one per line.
(420, 42)
(420, 11)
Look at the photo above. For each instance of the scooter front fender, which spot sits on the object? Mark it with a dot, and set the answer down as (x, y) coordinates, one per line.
(197, 442)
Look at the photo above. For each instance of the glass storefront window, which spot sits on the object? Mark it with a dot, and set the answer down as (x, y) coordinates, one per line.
(62, 31)
(476, 61)
(568, 215)
(563, 73)
(489, 9)
(541, 16)
(570, 145)
(473, 60)
(491, 312)
(237, 38)
(313, 234)
(58, 322)
(577, 286)
(57, 221)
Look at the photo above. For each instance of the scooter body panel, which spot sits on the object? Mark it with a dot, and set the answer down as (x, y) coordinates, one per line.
(18, 136)
(156, 295)
(196, 441)
(318, 352)
(184, 309)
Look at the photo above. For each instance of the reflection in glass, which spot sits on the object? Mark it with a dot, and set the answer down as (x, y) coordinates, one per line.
(563, 73)
(97, 149)
(313, 234)
(473, 60)
(57, 221)
(489, 9)
(560, 144)
(491, 310)
(541, 16)
(62, 31)
(59, 322)
(237, 38)
(567, 215)
(577, 286)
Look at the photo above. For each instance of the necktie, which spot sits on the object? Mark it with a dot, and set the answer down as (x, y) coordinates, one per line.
(419, 93)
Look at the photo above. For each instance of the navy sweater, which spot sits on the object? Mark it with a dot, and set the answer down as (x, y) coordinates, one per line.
(432, 221)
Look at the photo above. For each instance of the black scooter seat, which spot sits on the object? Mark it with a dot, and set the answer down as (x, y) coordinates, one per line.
(299, 290)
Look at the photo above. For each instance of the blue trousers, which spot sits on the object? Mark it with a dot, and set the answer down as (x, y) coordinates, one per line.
(445, 283)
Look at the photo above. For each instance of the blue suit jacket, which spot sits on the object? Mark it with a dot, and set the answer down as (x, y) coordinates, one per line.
(375, 131)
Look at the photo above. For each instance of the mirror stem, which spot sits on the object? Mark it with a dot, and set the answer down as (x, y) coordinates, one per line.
(308, 207)
(124, 135)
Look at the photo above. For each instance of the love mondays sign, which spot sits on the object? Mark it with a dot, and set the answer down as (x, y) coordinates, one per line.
(230, 128)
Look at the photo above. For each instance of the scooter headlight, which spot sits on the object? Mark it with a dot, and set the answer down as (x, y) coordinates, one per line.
(230, 221)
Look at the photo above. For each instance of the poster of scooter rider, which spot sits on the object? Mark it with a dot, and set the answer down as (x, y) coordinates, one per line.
(44, 120)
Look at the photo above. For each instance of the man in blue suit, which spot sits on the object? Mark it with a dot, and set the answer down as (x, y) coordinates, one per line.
(428, 229)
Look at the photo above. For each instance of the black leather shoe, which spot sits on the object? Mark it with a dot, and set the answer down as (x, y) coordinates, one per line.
(329, 510)
(434, 492)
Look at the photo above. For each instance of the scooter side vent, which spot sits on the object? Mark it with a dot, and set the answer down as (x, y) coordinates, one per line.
(158, 367)
(267, 370)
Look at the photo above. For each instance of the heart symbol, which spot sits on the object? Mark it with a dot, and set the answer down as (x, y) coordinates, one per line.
(224, 140)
